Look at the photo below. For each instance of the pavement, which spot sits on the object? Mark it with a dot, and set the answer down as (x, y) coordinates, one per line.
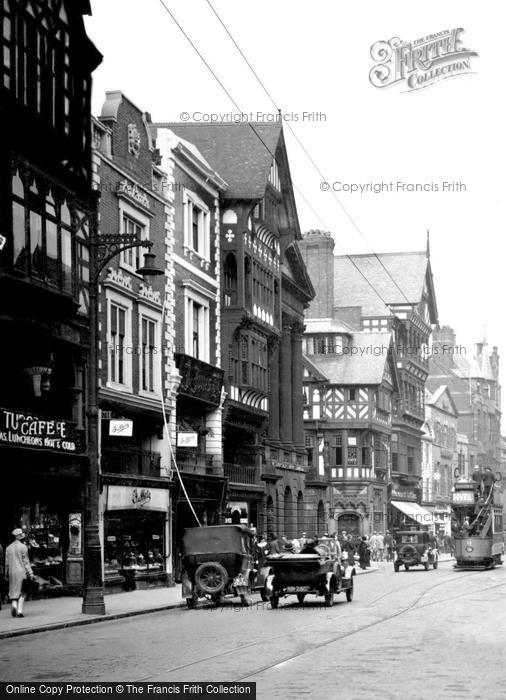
(59, 613)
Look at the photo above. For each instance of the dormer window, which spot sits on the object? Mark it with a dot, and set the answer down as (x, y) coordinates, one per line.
(323, 344)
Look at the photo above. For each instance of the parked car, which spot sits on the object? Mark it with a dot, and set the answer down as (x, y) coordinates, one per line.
(316, 570)
(415, 548)
(218, 560)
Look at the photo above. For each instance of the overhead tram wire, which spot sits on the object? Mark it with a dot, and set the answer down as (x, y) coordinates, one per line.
(231, 98)
(297, 139)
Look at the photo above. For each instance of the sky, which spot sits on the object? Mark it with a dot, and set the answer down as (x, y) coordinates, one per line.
(314, 59)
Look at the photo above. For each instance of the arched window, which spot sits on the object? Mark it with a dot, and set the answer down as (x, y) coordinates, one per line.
(288, 513)
(300, 514)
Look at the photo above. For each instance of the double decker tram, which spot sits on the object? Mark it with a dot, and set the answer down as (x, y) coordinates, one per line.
(477, 526)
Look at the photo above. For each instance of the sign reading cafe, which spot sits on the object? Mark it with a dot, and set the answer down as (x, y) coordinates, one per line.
(27, 430)
(420, 63)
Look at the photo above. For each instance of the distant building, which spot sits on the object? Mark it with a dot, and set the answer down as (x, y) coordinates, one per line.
(348, 389)
(473, 380)
(441, 418)
(384, 293)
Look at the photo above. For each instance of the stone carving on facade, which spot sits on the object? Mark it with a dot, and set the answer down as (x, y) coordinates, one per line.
(119, 277)
(134, 140)
(133, 192)
(147, 292)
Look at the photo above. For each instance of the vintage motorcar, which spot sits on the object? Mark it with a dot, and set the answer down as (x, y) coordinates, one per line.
(218, 560)
(317, 569)
(415, 548)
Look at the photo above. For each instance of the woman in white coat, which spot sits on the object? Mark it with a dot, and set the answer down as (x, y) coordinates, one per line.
(17, 569)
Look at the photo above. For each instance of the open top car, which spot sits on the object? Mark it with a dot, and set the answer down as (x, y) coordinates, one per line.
(317, 569)
(415, 548)
(218, 560)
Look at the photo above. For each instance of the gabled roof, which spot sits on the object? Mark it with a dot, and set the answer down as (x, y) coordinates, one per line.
(365, 366)
(240, 153)
(399, 278)
(313, 370)
(436, 399)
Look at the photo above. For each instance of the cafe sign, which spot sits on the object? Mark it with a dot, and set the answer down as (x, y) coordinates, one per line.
(18, 429)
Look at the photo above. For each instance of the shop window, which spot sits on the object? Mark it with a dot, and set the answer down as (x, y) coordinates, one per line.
(134, 545)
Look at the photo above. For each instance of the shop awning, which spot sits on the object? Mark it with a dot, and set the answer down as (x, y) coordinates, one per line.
(415, 512)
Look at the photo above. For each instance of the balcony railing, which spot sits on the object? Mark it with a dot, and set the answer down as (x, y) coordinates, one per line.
(131, 461)
(359, 473)
(199, 379)
(195, 464)
(239, 474)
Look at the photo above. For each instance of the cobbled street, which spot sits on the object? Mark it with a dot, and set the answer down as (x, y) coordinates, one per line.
(412, 634)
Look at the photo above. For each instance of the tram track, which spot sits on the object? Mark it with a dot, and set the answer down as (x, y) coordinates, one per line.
(413, 605)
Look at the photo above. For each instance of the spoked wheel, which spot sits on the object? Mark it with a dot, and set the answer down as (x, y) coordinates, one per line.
(274, 601)
(349, 592)
(211, 577)
(300, 598)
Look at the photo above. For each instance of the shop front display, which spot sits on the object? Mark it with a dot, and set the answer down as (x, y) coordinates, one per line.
(135, 536)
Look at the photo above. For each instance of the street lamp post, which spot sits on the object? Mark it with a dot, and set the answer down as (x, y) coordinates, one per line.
(102, 249)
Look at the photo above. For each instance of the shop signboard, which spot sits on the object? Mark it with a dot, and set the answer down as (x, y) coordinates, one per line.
(137, 498)
(24, 429)
(121, 428)
(187, 439)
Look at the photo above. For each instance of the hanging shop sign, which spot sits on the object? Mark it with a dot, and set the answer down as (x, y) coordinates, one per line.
(121, 428)
(187, 439)
(19, 429)
(137, 498)
(237, 513)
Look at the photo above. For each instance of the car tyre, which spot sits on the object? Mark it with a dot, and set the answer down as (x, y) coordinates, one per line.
(211, 577)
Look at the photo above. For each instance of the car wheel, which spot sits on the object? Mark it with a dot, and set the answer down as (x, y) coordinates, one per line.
(300, 598)
(329, 597)
(211, 577)
(349, 592)
(274, 601)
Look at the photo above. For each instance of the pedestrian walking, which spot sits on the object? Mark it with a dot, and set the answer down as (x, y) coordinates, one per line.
(380, 545)
(364, 553)
(17, 570)
(388, 541)
(373, 542)
(349, 548)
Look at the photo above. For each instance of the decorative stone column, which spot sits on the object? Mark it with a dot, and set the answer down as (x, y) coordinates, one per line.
(274, 389)
(297, 402)
(285, 384)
